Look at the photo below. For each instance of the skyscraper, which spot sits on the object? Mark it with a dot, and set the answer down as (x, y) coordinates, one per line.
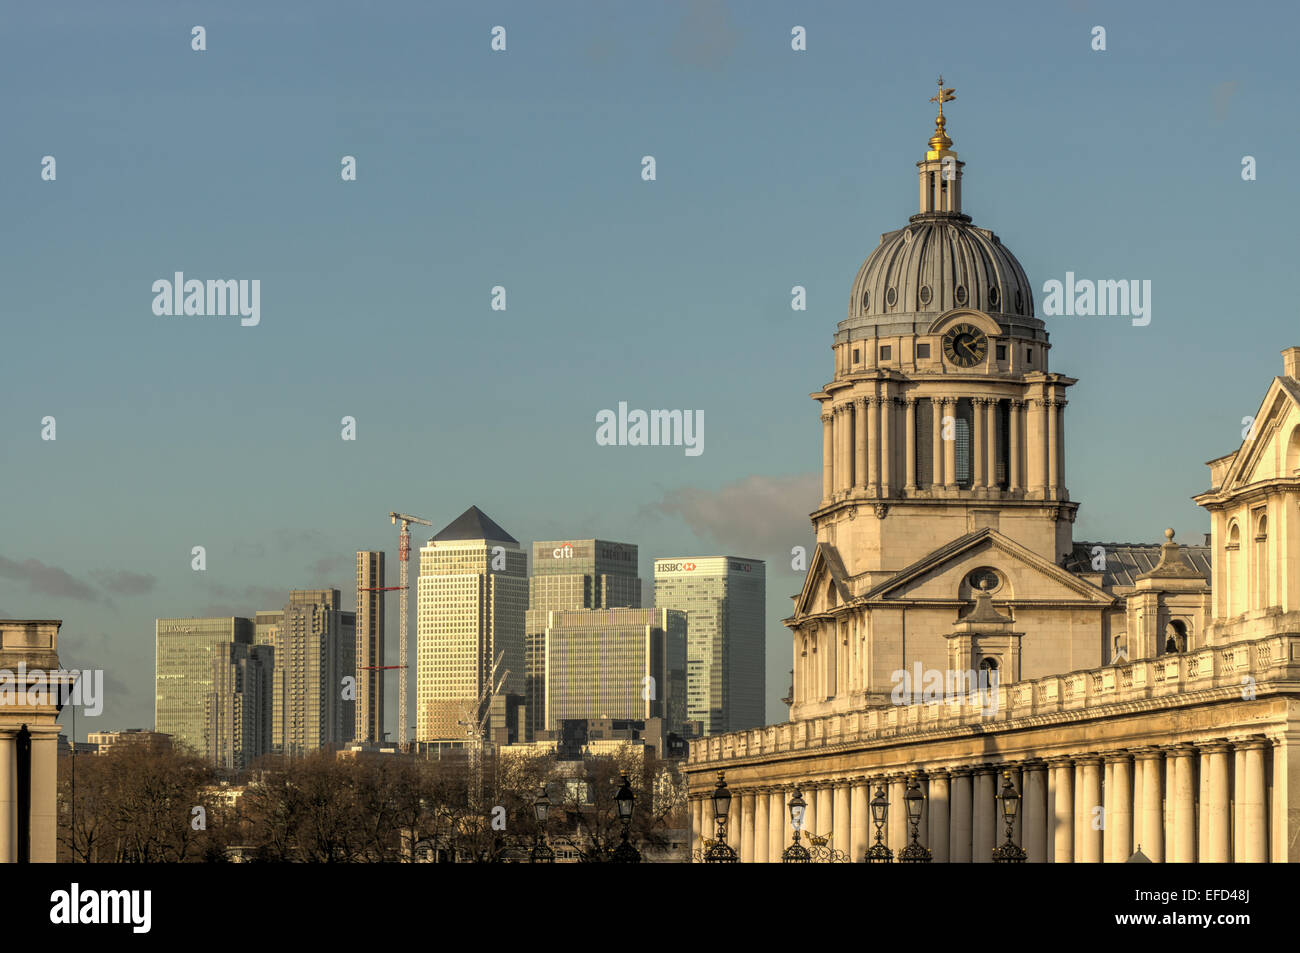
(185, 650)
(614, 663)
(472, 596)
(572, 574)
(315, 648)
(724, 598)
(370, 646)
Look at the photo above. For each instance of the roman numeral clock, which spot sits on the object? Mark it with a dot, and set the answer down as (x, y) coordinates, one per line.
(965, 345)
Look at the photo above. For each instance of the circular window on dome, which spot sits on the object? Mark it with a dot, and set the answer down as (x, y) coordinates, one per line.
(961, 294)
(866, 300)
(925, 295)
(993, 296)
(891, 297)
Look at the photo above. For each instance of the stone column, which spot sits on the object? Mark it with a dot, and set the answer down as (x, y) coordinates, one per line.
(909, 464)
(1216, 846)
(1036, 458)
(825, 811)
(984, 809)
(761, 825)
(873, 442)
(809, 792)
(1087, 840)
(8, 796)
(778, 819)
(860, 411)
(936, 439)
(1035, 810)
(1119, 817)
(1053, 449)
(845, 468)
(45, 770)
(939, 832)
(843, 823)
(1202, 800)
(828, 456)
(949, 447)
(1060, 448)
(1108, 806)
(896, 829)
(960, 820)
(696, 825)
(1184, 813)
(1063, 811)
(886, 443)
(993, 443)
(1152, 837)
(1015, 420)
(1252, 838)
(977, 458)
(860, 813)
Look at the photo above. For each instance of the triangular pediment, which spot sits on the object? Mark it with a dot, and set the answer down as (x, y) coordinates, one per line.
(939, 577)
(825, 570)
(1263, 454)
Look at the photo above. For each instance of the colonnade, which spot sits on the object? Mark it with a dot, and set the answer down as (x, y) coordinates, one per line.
(863, 438)
(1193, 802)
(43, 780)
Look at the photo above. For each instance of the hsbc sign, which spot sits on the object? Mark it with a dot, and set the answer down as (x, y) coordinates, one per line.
(674, 567)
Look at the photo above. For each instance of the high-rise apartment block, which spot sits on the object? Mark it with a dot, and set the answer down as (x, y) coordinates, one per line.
(315, 649)
(572, 574)
(238, 707)
(724, 598)
(370, 646)
(185, 653)
(472, 596)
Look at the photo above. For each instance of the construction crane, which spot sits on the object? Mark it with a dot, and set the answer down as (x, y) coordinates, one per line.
(403, 557)
(475, 725)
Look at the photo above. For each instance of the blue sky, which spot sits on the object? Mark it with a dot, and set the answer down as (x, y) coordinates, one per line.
(522, 169)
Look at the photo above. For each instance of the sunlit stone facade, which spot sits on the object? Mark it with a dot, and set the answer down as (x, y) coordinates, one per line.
(1140, 696)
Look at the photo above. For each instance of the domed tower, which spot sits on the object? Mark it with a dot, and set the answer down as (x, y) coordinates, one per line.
(943, 416)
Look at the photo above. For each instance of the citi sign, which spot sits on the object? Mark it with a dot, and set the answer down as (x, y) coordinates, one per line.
(563, 551)
(674, 567)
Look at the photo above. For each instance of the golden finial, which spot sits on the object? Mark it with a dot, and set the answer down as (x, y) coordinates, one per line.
(940, 142)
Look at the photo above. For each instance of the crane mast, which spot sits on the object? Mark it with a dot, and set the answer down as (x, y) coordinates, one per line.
(403, 557)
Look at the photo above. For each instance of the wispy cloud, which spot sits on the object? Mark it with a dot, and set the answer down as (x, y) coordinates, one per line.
(47, 580)
(760, 516)
(124, 583)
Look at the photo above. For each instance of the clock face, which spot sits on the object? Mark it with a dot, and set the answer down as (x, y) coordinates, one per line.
(965, 345)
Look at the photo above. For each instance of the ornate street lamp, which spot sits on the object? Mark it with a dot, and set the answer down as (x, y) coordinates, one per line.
(625, 853)
(542, 853)
(796, 853)
(720, 852)
(1009, 853)
(878, 853)
(914, 853)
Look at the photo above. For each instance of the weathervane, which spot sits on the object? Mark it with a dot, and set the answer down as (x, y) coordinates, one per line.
(945, 96)
(939, 142)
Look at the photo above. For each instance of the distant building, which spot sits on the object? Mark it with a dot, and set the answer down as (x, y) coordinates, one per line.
(266, 626)
(615, 663)
(239, 705)
(572, 574)
(370, 646)
(105, 741)
(724, 598)
(184, 653)
(473, 592)
(315, 648)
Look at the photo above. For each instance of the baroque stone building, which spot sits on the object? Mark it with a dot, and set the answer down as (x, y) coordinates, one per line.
(951, 629)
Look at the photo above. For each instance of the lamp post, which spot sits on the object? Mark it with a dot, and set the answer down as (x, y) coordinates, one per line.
(914, 853)
(542, 853)
(1009, 853)
(625, 853)
(721, 852)
(796, 853)
(878, 853)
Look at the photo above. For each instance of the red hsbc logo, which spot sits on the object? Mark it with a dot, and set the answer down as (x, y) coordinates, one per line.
(688, 565)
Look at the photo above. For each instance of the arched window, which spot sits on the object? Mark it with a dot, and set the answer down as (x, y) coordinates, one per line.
(1175, 637)
(1261, 562)
(1293, 453)
(1232, 570)
(988, 665)
(831, 597)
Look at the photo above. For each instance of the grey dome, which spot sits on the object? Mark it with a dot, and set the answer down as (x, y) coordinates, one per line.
(940, 261)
